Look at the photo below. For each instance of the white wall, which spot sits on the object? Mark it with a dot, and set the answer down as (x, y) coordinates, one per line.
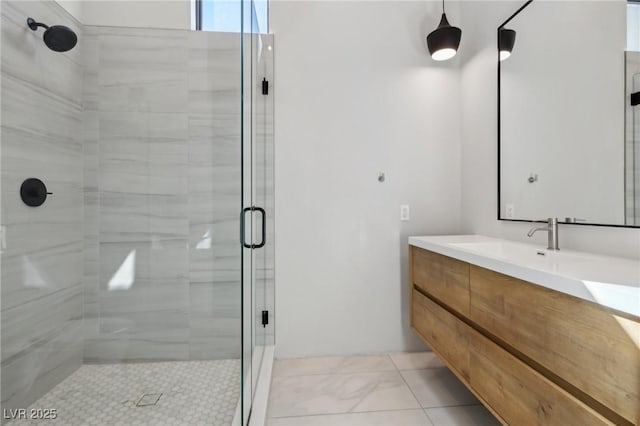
(356, 93)
(73, 7)
(175, 14)
(479, 148)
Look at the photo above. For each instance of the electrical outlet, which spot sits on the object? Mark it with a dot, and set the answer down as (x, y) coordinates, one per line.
(405, 212)
(510, 211)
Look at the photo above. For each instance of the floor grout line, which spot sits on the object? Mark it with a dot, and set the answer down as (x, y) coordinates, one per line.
(451, 406)
(343, 373)
(359, 372)
(393, 362)
(411, 390)
(387, 355)
(348, 412)
(424, 410)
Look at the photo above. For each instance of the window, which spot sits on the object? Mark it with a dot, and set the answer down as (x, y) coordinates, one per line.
(633, 26)
(224, 15)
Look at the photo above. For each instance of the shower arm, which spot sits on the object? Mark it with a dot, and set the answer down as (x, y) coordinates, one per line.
(34, 25)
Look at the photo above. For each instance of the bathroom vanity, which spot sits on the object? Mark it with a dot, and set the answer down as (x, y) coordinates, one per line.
(539, 337)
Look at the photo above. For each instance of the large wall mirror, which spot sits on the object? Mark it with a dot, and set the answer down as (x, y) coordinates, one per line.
(569, 113)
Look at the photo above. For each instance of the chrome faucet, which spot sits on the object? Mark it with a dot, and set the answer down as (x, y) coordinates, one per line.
(552, 233)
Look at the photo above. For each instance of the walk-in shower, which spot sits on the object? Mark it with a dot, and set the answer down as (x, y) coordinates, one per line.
(127, 294)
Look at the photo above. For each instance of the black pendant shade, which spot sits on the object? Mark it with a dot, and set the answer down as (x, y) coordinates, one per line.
(506, 41)
(443, 42)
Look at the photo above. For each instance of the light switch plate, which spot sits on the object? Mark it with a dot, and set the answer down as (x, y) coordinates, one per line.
(510, 211)
(405, 212)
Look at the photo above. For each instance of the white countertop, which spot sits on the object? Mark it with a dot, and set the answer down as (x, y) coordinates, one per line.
(608, 281)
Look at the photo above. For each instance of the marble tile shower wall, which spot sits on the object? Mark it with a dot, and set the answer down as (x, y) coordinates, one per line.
(42, 252)
(162, 195)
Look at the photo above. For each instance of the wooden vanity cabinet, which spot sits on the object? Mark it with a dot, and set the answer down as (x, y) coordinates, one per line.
(445, 278)
(533, 356)
(443, 331)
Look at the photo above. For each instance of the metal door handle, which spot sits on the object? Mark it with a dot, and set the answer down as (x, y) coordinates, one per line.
(242, 227)
(264, 229)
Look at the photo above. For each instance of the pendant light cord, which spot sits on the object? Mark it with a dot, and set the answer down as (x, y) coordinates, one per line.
(442, 6)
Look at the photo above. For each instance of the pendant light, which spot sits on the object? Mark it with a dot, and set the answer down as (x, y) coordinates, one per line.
(443, 42)
(506, 41)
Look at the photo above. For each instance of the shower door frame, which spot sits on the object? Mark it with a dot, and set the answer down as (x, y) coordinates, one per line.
(256, 209)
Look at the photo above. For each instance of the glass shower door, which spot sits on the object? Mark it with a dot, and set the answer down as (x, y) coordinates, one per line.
(257, 207)
(262, 146)
(247, 236)
(635, 153)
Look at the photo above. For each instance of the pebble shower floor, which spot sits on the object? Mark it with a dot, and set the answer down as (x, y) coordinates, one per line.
(191, 393)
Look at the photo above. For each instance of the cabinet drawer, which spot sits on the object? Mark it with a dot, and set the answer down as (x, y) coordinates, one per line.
(589, 347)
(446, 335)
(519, 394)
(444, 278)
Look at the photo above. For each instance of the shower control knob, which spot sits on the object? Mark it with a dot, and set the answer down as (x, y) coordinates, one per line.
(34, 192)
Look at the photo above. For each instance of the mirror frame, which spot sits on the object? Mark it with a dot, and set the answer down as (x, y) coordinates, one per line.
(516, 13)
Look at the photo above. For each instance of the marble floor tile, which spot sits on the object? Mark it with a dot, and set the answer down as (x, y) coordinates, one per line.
(438, 387)
(416, 360)
(376, 418)
(332, 365)
(339, 393)
(470, 415)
